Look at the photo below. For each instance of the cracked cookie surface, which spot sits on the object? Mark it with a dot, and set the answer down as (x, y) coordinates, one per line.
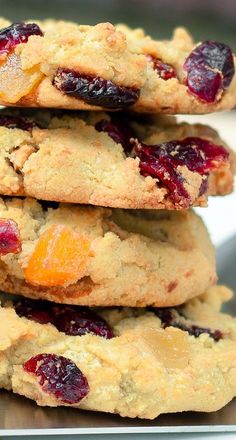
(51, 64)
(98, 256)
(96, 158)
(188, 371)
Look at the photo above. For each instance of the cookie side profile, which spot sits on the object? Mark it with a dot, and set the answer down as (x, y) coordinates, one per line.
(101, 359)
(116, 161)
(51, 64)
(97, 256)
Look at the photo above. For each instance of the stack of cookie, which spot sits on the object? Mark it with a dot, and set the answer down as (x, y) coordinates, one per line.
(117, 307)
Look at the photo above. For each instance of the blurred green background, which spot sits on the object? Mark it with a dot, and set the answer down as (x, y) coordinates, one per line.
(215, 19)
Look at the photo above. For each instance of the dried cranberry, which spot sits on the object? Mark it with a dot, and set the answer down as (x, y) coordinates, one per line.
(15, 34)
(165, 315)
(119, 131)
(78, 321)
(164, 70)
(161, 161)
(94, 90)
(10, 242)
(169, 316)
(197, 331)
(9, 121)
(210, 70)
(204, 83)
(38, 311)
(72, 320)
(58, 376)
(194, 330)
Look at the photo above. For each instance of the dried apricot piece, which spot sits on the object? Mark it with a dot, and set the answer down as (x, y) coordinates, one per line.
(169, 346)
(60, 258)
(15, 82)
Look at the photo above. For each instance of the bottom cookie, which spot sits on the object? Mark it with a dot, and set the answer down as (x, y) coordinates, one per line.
(132, 362)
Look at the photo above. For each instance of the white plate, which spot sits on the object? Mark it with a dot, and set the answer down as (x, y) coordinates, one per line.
(19, 416)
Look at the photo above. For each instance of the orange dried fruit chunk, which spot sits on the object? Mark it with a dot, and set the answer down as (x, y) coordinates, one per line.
(15, 82)
(60, 258)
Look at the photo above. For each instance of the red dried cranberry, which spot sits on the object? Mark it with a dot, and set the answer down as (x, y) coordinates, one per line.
(194, 330)
(58, 376)
(79, 321)
(169, 316)
(38, 311)
(94, 90)
(120, 132)
(197, 331)
(15, 34)
(161, 161)
(9, 121)
(164, 70)
(10, 242)
(165, 314)
(210, 70)
(72, 320)
(204, 83)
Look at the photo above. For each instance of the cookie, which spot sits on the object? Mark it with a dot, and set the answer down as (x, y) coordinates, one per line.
(182, 76)
(116, 161)
(103, 257)
(52, 64)
(136, 363)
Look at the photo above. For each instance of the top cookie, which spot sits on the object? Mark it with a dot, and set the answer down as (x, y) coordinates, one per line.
(64, 65)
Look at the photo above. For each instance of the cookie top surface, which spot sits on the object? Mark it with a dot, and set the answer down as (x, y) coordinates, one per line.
(123, 161)
(51, 64)
(98, 256)
(101, 359)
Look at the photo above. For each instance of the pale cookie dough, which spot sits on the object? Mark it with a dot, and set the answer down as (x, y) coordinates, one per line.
(69, 160)
(104, 66)
(149, 367)
(136, 258)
